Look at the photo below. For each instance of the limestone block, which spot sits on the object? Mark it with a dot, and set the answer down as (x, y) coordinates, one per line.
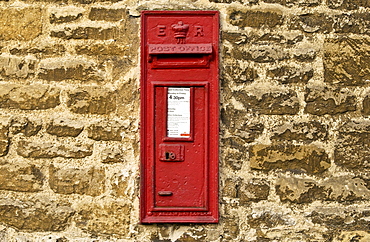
(291, 3)
(113, 155)
(107, 217)
(304, 132)
(20, 177)
(353, 145)
(121, 185)
(4, 138)
(93, 100)
(234, 152)
(28, 97)
(65, 14)
(27, 127)
(287, 157)
(59, 69)
(107, 14)
(35, 215)
(39, 149)
(256, 18)
(96, 33)
(43, 50)
(110, 49)
(20, 24)
(287, 74)
(235, 72)
(253, 190)
(356, 23)
(278, 102)
(107, 130)
(62, 127)
(312, 23)
(265, 53)
(322, 100)
(88, 181)
(346, 61)
(347, 4)
(14, 66)
(305, 190)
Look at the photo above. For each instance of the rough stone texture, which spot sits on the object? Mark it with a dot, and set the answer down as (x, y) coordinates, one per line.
(24, 126)
(313, 23)
(341, 189)
(291, 3)
(287, 157)
(235, 72)
(94, 100)
(80, 181)
(64, 127)
(288, 74)
(107, 14)
(322, 100)
(110, 49)
(53, 69)
(92, 218)
(304, 132)
(65, 15)
(352, 147)
(112, 155)
(97, 33)
(347, 4)
(256, 18)
(16, 67)
(20, 177)
(43, 50)
(4, 138)
(346, 61)
(253, 190)
(275, 102)
(35, 215)
(27, 26)
(29, 149)
(106, 130)
(236, 153)
(28, 97)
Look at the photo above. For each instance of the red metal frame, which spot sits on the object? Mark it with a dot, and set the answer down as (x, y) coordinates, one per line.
(179, 49)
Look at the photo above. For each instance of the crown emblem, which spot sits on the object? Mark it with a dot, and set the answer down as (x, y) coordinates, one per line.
(181, 31)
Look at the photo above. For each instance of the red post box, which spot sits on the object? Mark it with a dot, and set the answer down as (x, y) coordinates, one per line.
(179, 116)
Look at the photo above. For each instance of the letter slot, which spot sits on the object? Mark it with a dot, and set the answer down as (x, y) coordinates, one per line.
(179, 117)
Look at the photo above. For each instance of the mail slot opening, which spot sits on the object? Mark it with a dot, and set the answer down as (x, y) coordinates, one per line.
(166, 61)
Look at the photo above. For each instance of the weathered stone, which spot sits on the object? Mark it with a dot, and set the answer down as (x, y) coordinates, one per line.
(322, 100)
(113, 155)
(231, 1)
(356, 23)
(97, 33)
(253, 191)
(56, 69)
(348, 4)
(235, 152)
(47, 50)
(64, 127)
(4, 138)
(264, 54)
(235, 72)
(28, 97)
(14, 66)
(335, 217)
(95, 1)
(305, 131)
(304, 190)
(291, 3)
(355, 236)
(353, 145)
(128, 96)
(102, 49)
(121, 185)
(305, 53)
(366, 105)
(20, 24)
(80, 181)
(107, 130)
(230, 188)
(107, 14)
(231, 228)
(346, 61)
(93, 218)
(287, 74)
(65, 14)
(313, 23)
(94, 100)
(35, 215)
(41, 149)
(20, 177)
(25, 126)
(273, 102)
(256, 18)
(288, 157)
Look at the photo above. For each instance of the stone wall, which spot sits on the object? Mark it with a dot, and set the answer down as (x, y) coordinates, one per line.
(295, 127)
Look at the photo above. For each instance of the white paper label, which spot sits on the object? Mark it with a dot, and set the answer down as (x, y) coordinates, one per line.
(178, 112)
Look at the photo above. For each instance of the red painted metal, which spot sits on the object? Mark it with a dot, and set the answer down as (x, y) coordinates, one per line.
(179, 173)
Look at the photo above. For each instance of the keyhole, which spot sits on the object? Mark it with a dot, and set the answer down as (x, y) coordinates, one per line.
(170, 156)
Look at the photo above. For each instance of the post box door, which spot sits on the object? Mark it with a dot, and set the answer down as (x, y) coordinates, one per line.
(179, 117)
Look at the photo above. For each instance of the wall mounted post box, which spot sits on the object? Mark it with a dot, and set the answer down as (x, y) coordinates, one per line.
(179, 116)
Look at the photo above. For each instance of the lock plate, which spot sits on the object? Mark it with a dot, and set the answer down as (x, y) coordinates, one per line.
(173, 152)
